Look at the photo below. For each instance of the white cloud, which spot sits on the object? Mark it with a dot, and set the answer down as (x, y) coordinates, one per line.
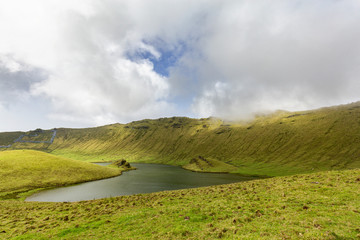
(279, 54)
(103, 97)
(10, 64)
(83, 51)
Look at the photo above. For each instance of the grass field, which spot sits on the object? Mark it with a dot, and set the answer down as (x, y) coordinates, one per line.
(25, 170)
(322, 205)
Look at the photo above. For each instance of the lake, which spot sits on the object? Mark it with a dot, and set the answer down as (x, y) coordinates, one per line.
(146, 179)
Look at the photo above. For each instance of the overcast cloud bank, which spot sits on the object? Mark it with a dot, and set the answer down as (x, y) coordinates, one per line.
(94, 62)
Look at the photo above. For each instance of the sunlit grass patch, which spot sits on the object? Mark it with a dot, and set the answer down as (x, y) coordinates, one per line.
(25, 170)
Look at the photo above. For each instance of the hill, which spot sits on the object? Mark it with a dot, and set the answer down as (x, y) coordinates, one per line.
(321, 205)
(282, 143)
(25, 170)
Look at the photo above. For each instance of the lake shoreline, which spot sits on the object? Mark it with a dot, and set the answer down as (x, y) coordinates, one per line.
(147, 179)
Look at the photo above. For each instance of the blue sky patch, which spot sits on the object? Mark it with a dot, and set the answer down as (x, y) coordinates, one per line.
(168, 56)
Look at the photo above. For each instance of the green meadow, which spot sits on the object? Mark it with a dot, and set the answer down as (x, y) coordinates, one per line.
(22, 171)
(312, 157)
(322, 205)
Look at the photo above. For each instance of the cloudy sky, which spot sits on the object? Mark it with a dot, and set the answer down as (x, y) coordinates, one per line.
(93, 62)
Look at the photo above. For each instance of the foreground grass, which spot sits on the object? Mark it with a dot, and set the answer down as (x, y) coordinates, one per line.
(324, 205)
(25, 170)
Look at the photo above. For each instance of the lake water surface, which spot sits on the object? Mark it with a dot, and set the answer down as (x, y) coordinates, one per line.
(147, 178)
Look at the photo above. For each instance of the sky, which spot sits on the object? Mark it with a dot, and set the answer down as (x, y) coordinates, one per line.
(88, 63)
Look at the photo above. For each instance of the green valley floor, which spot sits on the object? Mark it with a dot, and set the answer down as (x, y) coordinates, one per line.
(323, 205)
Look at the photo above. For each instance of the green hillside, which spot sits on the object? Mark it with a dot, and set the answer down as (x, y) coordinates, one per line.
(24, 170)
(321, 205)
(279, 144)
(7, 138)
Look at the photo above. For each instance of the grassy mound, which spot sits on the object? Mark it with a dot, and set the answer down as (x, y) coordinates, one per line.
(122, 164)
(321, 205)
(24, 170)
(201, 164)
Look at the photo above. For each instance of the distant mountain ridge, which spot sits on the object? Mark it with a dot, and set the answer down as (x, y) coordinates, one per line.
(278, 144)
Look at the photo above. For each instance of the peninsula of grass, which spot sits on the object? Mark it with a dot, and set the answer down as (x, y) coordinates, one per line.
(323, 205)
(24, 170)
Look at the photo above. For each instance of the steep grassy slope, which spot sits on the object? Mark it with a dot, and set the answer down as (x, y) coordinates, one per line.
(321, 205)
(7, 138)
(279, 144)
(24, 170)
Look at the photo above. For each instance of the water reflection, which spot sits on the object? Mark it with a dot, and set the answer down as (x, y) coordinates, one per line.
(147, 178)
